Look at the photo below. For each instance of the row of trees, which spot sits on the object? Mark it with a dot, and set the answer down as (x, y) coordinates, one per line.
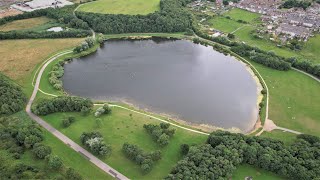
(62, 104)
(94, 141)
(19, 136)
(12, 99)
(224, 151)
(63, 15)
(71, 33)
(145, 160)
(160, 133)
(172, 17)
(296, 3)
(55, 74)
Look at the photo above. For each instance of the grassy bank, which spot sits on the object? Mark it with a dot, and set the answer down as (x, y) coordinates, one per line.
(131, 7)
(24, 24)
(120, 127)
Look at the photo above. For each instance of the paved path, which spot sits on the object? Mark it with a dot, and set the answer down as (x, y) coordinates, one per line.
(313, 77)
(269, 125)
(103, 166)
(92, 31)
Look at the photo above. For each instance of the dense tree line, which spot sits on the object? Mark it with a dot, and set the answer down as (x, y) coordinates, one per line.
(224, 151)
(88, 43)
(71, 33)
(145, 160)
(296, 3)
(160, 133)
(172, 17)
(94, 141)
(18, 136)
(63, 15)
(55, 74)
(12, 99)
(62, 104)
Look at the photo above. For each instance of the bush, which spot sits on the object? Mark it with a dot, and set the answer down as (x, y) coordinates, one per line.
(41, 151)
(68, 121)
(73, 175)
(141, 158)
(54, 162)
(95, 143)
(105, 109)
(184, 149)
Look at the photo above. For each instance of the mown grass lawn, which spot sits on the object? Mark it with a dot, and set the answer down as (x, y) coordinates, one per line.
(294, 99)
(131, 7)
(69, 157)
(239, 14)
(225, 25)
(24, 24)
(246, 170)
(119, 128)
(286, 137)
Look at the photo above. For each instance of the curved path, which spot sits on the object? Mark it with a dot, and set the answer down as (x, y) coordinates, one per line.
(103, 166)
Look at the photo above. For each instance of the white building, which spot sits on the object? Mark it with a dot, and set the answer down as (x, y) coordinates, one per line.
(40, 4)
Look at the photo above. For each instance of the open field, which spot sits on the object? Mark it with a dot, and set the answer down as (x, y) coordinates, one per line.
(294, 100)
(224, 24)
(131, 7)
(69, 157)
(119, 128)
(239, 14)
(286, 137)
(246, 170)
(24, 24)
(20, 57)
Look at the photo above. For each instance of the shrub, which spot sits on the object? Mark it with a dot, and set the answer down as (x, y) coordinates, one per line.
(54, 162)
(95, 143)
(105, 109)
(184, 149)
(68, 121)
(41, 151)
(73, 175)
(160, 133)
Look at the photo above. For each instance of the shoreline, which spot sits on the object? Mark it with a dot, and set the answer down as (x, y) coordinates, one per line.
(202, 127)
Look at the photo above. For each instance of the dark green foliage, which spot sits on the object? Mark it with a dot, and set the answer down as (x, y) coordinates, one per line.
(71, 33)
(224, 151)
(12, 99)
(231, 36)
(184, 149)
(172, 17)
(88, 43)
(145, 160)
(61, 104)
(94, 141)
(68, 121)
(54, 162)
(41, 151)
(73, 175)
(105, 109)
(55, 74)
(160, 133)
(296, 3)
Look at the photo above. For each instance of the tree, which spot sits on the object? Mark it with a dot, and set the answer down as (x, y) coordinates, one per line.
(163, 140)
(231, 36)
(184, 149)
(73, 175)
(54, 162)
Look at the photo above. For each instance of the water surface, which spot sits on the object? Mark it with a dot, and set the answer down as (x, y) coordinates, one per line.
(185, 80)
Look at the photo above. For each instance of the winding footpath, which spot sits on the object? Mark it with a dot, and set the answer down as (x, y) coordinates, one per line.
(103, 166)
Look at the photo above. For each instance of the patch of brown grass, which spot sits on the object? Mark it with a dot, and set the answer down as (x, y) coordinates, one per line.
(20, 57)
(24, 24)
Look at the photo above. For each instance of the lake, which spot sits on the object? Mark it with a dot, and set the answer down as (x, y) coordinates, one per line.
(184, 80)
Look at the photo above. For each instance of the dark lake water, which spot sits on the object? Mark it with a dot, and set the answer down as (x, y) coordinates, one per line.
(179, 78)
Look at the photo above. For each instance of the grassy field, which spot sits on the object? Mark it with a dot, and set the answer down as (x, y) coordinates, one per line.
(24, 24)
(245, 170)
(131, 7)
(239, 14)
(294, 100)
(286, 137)
(20, 57)
(224, 24)
(69, 157)
(119, 128)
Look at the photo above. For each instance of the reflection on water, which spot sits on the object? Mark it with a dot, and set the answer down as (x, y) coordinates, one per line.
(190, 81)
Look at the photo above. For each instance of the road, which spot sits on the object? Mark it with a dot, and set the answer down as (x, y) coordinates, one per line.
(103, 166)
